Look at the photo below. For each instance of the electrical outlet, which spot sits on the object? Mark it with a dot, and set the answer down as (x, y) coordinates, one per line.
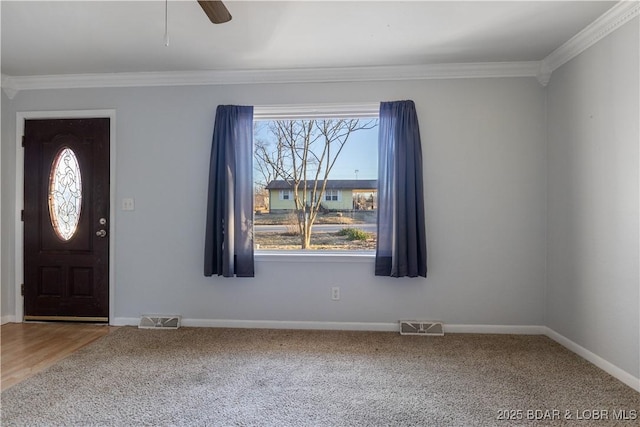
(335, 293)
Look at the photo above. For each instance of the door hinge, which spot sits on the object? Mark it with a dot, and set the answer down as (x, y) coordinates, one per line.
(22, 215)
(22, 289)
(23, 140)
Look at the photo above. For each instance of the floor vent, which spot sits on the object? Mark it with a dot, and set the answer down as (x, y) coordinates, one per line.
(156, 321)
(421, 327)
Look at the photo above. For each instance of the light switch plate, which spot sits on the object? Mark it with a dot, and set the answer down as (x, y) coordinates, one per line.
(128, 204)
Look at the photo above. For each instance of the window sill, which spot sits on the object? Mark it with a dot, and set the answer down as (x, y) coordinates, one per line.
(315, 256)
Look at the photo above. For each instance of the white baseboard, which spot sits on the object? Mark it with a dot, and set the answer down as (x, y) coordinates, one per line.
(340, 326)
(7, 319)
(495, 329)
(280, 324)
(124, 321)
(272, 324)
(601, 363)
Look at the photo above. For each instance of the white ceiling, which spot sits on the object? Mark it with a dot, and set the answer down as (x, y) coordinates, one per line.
(54, 37)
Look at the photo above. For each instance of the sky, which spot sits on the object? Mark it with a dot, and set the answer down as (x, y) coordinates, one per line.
(359, 153)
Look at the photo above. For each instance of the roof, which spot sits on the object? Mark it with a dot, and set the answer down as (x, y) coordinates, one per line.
(332, 184)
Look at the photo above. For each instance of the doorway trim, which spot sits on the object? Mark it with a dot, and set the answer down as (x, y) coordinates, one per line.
(19, 235)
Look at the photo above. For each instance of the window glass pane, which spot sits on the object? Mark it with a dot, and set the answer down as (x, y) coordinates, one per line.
(294, 160)
(65, 193)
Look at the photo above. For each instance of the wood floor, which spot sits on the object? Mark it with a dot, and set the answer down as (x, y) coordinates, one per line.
(27, 348)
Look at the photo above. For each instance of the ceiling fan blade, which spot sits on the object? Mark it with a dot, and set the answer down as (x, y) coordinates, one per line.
(215, 10)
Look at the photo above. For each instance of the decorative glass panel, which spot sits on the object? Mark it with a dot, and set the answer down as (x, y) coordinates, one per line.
(65, 193)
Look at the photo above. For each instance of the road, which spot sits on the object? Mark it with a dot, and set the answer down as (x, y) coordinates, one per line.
(320, 228)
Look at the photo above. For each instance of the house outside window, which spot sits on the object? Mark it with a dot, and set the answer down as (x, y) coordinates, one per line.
(339, 197)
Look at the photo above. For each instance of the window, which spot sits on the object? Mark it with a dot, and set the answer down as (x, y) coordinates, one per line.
(286, 195)
(330, 195)
(65, 193)
(298, 152)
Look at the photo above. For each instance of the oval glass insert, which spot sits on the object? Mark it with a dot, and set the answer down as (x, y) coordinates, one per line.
(65, 193)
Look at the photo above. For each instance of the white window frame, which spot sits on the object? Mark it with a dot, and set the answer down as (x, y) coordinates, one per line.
(289, 194)
(315, 111)
(331, 193)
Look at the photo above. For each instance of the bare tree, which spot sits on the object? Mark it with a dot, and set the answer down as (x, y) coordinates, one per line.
(262, 155)
(302, 153)
(260, 198)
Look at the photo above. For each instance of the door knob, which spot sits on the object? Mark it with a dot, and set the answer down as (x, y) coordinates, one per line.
(101, 233)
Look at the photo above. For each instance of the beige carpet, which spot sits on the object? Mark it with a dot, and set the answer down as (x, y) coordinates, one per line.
(238, 377)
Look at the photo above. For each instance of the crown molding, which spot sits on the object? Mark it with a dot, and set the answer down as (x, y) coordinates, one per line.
(13, 84)
(621, 13)
(618, 15)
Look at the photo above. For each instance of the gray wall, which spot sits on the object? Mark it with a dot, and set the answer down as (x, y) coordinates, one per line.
(7, 205)
(592, 249)
(484, 159)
